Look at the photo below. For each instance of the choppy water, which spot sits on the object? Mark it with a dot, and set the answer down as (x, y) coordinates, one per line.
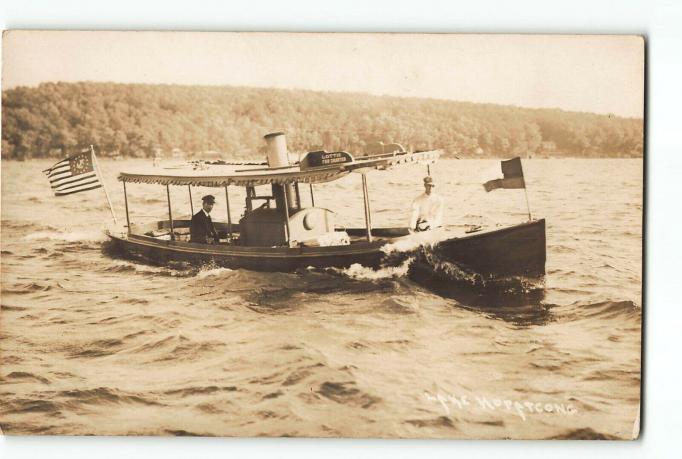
(93, 344)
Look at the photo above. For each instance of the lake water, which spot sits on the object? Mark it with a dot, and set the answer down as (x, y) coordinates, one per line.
(95, 344)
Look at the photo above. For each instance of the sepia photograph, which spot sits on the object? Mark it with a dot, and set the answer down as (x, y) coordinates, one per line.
(346, 235)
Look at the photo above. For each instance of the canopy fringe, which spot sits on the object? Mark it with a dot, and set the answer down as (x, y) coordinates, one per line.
(317, 175)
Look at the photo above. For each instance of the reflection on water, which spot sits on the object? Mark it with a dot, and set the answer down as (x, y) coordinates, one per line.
(515, 299)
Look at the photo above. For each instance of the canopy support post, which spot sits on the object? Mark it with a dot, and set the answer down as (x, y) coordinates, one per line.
(298, 196)
(286, 216)
(368, 216)
(125, 197)
(312, 196)
(191, 204)
(229, 216)
(250, 193)
(170, 213)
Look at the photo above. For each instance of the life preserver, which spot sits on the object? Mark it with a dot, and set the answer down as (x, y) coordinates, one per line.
(310, 221)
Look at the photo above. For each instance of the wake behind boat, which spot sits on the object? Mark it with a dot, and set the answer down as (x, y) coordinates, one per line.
(279, 233)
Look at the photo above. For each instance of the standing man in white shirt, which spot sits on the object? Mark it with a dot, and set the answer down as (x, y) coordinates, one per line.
(427, 209)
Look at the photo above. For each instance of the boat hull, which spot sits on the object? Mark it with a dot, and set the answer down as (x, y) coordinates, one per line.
(486, 269)
(253, 258)
(516, 250)
(519, 250)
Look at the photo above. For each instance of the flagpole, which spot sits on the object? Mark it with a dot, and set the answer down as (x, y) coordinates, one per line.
(104, 187)
(525, 191)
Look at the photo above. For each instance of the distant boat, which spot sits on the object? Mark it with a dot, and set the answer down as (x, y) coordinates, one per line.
(283, 235)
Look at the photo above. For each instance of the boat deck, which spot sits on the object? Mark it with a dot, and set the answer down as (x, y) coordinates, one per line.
(229, 234)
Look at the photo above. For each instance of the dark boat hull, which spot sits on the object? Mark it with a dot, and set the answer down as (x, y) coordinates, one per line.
(516, 250)
(488, 271)
(281, 259)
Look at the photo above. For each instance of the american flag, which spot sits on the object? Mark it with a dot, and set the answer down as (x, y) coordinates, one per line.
(73, 174)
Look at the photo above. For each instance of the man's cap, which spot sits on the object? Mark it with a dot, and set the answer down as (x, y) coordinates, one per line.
(429, 181)
(209, 198)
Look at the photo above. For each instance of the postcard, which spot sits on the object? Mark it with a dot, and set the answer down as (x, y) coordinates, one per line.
(322, 235)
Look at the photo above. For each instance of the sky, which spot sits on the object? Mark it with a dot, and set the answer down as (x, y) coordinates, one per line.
(589, 73)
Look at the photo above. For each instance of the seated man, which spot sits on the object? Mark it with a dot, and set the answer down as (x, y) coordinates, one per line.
(201, 229)
(427, 209)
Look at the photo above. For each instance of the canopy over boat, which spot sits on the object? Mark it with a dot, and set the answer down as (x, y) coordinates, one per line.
(316, 167)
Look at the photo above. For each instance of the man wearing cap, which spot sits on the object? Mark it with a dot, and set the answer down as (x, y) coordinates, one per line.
(427, 209)
(201, 229)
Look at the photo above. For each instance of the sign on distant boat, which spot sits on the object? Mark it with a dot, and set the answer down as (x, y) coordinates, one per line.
(325, 158)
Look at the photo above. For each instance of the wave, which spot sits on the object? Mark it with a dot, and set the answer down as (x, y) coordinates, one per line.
(176, 433)
(403, 304)
(157, 344)
(192, 350)
(29, 405)
(430, 268)
(245, 281)
(99, 348)
(415, 241)
(26, 288)
(211, 272)
(54, 402)
(122, 266)
(71, 236)
(181, 269)
(101, 395)
(168, 348)
(8, 307)
(199, 390)
(441, 421)
(560, 248)
(607, 310)
(125, 267)
(357, 271)
(347, 394)
(585, 433)
(279, 293)
(273, 301)
(25, 225)
(22, 375)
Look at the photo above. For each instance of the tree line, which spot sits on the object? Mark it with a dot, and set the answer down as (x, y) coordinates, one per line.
(139, 120)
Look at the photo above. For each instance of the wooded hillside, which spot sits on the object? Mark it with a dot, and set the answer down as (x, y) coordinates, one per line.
(54, 119)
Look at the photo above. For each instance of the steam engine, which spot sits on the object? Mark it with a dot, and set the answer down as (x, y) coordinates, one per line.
(287, 223)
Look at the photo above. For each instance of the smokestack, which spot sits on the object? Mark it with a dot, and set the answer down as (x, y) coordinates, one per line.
(277, 149)
(278, 156)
